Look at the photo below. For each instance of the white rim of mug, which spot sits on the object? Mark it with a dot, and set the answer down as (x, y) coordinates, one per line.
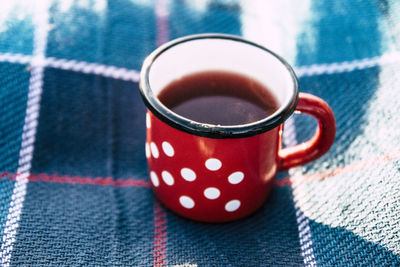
(211, 130)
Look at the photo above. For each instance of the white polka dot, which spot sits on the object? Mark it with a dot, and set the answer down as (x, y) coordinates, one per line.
(188, 174)
(213, 164)
(236, 177)
(154, 150)
(186, 202)
(148, 121)
(147, 150)
(168, 149)
(232, 205)
(154, 179)
(167, 177)
(212, 193)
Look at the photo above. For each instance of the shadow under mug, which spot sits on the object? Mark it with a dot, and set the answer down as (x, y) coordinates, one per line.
(216, 173)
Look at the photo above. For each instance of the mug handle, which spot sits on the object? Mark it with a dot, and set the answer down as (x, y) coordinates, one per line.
(322, 140)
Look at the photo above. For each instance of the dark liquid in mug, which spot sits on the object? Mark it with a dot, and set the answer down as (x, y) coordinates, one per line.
(219, 97)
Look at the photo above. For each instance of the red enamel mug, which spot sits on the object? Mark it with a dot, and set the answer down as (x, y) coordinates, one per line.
(215, 173)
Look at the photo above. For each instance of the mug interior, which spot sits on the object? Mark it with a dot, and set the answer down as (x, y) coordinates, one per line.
(218, 53)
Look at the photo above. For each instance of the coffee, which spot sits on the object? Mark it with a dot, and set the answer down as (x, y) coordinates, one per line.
(219, 98)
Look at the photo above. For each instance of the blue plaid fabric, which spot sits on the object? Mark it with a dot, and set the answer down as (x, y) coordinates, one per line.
(74, 185)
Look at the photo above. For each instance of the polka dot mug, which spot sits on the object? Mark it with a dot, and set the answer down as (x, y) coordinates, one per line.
(217, 173)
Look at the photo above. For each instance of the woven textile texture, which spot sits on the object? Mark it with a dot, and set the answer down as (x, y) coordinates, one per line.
(74, 187)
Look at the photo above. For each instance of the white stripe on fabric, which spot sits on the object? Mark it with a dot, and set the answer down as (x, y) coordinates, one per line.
(133, 75)
(348, 66)
(73, 65)
(305, 238)
(29, 129)
(93, 68)
(15, 58)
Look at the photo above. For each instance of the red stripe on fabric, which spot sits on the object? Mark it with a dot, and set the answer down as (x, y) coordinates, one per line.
(65, 179)
(118, 182)
(4, 174)
(283, 182)
(8, 175)
(160, 235)
(131, 182)
(356, 166)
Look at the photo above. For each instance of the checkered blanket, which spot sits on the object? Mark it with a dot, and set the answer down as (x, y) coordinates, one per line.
(74, 187)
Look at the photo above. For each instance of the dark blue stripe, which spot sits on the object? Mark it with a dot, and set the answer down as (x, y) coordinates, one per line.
(341, 31)
(71, 225)
(267, 238)
(90, 126)
(14, 86)
(220, 18)
(122, 34)
(130, 33)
